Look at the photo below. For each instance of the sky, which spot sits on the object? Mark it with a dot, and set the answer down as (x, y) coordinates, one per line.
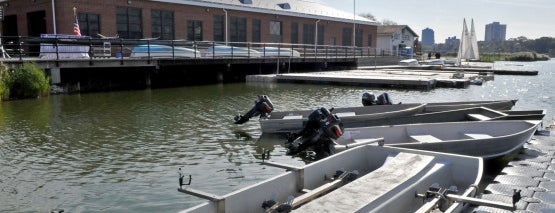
(530, 18)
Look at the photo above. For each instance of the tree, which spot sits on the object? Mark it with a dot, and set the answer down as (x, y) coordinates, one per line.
(368, 16)
(387, 22)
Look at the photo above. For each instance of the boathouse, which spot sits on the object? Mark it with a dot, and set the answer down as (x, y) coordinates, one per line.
(265, 21)
(396, 39)
(326, 38)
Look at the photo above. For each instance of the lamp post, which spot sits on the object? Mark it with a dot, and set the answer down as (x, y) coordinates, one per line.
(316, 33)
(54, 17)
(354, 23)
(225, 30)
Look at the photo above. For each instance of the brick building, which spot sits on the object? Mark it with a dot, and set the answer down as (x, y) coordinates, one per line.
(267, 21)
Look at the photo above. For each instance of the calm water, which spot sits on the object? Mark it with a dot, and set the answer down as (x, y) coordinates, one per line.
(119, 151)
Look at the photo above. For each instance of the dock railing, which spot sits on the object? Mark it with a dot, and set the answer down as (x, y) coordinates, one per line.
(20, 48)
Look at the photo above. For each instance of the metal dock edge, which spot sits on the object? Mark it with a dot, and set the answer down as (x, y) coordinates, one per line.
(532, 172)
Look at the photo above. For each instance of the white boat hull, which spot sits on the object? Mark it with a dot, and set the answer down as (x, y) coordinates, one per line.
(495, 105)
(487, 139)
(293, 121)
(384, 177)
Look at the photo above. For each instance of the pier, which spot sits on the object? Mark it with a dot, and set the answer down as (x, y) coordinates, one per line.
(88, 65)
(85, 65)
(383, 77)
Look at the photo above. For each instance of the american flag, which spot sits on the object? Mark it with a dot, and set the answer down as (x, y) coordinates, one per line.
(76, 30)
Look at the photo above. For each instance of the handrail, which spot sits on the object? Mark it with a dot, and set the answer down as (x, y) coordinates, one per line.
(32, 47)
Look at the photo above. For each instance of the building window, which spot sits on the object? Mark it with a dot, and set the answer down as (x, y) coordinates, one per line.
(275, 31)
(358, 39)
(129, 22)
(162, 24)
(369, 40)
(89, 24)
(308, 34)
(256, 30)
(194, 30)
(238, 29)
(219, 28)
(294, 33)
(347, 36)
(321, 33)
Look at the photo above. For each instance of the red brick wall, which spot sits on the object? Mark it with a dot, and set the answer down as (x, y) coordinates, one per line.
(182, 13)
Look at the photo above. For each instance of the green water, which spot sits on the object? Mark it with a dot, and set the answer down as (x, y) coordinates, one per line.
(120, 151)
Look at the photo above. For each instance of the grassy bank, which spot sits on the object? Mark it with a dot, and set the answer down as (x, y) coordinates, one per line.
(520, 56)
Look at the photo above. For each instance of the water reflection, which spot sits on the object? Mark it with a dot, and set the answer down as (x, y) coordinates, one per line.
(120, 151)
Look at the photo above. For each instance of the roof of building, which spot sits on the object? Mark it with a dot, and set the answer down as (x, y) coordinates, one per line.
(298, 8)
(390, 29)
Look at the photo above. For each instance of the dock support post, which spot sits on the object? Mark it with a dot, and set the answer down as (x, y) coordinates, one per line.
(55, 75)
(220, 77)
(148, 81)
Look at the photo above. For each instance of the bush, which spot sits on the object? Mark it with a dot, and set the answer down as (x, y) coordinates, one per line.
(27, 81)
(5, 80)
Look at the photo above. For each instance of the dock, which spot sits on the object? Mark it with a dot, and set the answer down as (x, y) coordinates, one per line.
(386, 77)
(532, 172)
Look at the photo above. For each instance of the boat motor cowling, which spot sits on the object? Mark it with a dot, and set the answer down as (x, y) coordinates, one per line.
(384, 99)
(368, 99)
(318, 133)
(262, 106)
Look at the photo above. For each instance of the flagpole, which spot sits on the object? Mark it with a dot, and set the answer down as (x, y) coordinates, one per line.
(54, 16)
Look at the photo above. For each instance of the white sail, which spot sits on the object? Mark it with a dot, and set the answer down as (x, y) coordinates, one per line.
(474, 42)
(468, 46)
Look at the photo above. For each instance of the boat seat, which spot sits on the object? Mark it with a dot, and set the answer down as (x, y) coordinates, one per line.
(345, 114)
(292, 117)
(425, 138)
(477, 117)
(365, 191)
(479, 136)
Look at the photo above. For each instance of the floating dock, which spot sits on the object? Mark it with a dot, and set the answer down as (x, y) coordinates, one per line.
(418, 79)
(532, 172)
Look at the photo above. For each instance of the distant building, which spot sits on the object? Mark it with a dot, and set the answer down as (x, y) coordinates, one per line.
(428, 37)
(495, 32)
(393, 38)
(452, 41)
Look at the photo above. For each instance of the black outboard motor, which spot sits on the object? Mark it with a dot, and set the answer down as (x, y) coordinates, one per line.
(368, 99)
(318, 133)
(262, 106)
(384, 99)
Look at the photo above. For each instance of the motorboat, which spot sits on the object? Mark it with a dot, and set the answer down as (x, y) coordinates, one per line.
(409, 62)
(361, 179)
(156, 50)
(486, 139)
(495, 105)
(223, 51)
(456, 115)
(368, 99)
(294, 121)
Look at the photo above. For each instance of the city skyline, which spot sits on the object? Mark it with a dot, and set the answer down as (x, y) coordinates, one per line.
(530, 18)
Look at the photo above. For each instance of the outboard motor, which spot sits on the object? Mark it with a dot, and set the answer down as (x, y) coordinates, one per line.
(368, 99)
(262, 106)
(318, 134)
(384, 99)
